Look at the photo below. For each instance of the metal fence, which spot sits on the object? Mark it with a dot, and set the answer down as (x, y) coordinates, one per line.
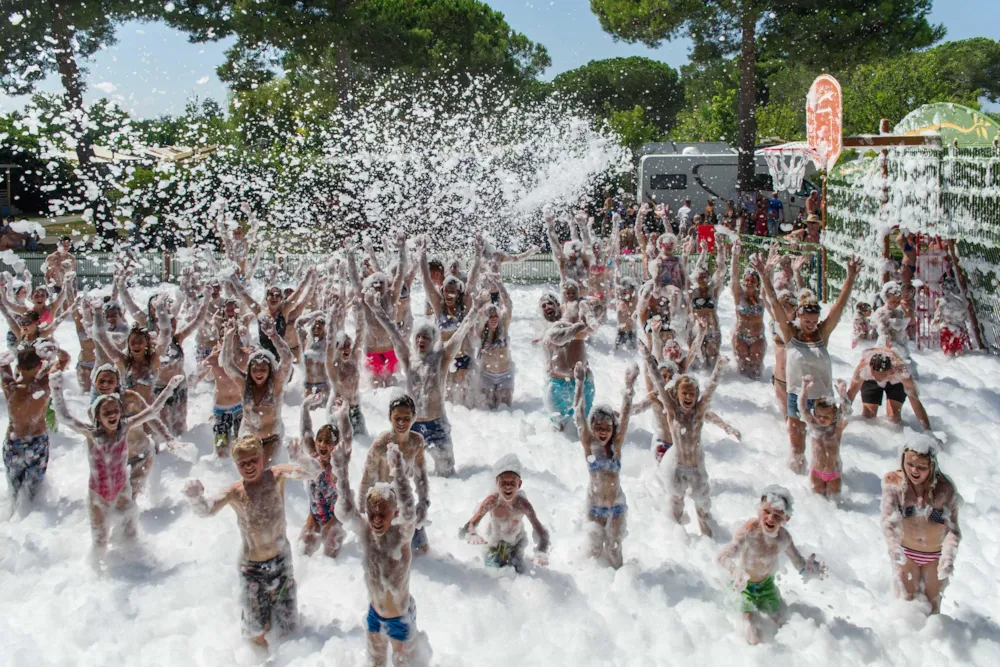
(947, 195)
(97, 269)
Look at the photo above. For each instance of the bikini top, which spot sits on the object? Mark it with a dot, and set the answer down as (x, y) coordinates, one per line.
(703, 302)
(498, 344)
(749, 309)
(315, 351)
(131, 380)
(936, 515)
(448, 322)
(604, 465)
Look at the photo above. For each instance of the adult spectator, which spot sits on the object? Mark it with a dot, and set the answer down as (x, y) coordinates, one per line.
(775, 214)
(684, 218)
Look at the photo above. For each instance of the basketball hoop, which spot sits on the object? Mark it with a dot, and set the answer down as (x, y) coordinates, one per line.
(787, 164)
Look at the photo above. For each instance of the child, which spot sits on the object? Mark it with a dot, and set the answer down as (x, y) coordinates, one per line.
(891, 320)
(107, 449)
(863, 331)
(951, 316)
(265, 559)
(752, 560)
(26, 444)
(506, 507)
(402, 412)
(625, 310)
(920, 520)
(385, 540)
(227, 411)
(312, 332)
(343, 364)
(426, 364)
(264, 381)
(686, 406)
(826, 423)
(602, 436)
(322, 525)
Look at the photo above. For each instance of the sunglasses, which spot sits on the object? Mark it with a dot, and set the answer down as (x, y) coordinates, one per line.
(811, 309)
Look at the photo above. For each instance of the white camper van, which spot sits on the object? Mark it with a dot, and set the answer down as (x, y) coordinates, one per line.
(670, 172)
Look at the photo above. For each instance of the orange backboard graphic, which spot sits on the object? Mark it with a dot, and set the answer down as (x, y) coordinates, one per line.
(824, 120)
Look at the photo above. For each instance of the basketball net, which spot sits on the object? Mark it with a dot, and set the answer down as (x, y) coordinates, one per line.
(787, 167)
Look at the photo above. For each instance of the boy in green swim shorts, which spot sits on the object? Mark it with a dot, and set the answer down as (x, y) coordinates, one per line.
(752, 560)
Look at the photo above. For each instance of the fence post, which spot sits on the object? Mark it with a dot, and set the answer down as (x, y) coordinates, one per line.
(166, 266)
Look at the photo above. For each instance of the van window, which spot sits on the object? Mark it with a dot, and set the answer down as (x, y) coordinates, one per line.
(668, 182)
(807, 189)
(764, 182)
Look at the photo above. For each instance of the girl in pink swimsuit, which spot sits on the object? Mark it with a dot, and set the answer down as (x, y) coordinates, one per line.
(107, 448)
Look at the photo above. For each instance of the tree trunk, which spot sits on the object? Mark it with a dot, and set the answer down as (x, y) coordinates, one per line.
(343, 55)
(746, 118)
(69, 74)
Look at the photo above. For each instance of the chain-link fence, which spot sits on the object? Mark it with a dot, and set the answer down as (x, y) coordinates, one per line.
(951, 197)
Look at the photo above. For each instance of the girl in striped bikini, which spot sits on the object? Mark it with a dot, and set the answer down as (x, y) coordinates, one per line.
(920, 520)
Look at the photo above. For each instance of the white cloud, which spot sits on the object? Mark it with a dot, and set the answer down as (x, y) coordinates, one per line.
(106, 87)
(202, 81)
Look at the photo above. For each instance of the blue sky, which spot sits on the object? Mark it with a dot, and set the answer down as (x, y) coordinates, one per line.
(154, 70)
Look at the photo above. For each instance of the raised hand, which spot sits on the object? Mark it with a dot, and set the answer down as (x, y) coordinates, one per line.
(630, 376)
(267, 325)
(295, 448)
(194, 489)
(853, 266)
(313, 401)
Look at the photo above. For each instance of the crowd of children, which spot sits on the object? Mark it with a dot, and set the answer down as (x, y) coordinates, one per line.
(250, 350)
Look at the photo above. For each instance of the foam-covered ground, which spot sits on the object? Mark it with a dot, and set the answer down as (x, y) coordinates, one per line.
(172, 599)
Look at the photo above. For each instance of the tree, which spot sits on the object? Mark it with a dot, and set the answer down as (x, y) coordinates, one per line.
(837, 33)
(41, 37)
(623, 84)
(962, 72)
(632, 128)
(327, 42)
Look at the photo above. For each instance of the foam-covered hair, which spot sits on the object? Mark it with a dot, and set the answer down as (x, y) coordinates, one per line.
(667, 239)
(426, 328)
(259, 355)
(891, 288)
(777, 497)
(920, 443)
(452, 280)
(377, 277)
(603, 412)
(669, 365)
(550, 297)
(380, 492)
(106, 367)
(627, 283)
(341, 339)
(507, 463)
(573, 248)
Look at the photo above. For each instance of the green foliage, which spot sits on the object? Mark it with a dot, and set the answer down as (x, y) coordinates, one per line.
(322, 37)
(604, 87)
(711, 120)
(632, 127)
(961, 72)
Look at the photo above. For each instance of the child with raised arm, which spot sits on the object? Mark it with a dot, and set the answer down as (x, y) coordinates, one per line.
(107, 448)
(385, 530)
(227, 410)
(506, 539)
(426, 365)
(602, 434)
(402, 412)
(268, 583)
(686, 406)
(264, 381)
(752, 557)
(826, 423)
(322, 525)
(343, 364)
(312, 334)
(26, 443)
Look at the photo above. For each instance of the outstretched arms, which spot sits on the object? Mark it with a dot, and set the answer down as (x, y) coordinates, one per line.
(827, 326)
(154, 408)
(580, 406)
(62, 411)
(626, 410)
